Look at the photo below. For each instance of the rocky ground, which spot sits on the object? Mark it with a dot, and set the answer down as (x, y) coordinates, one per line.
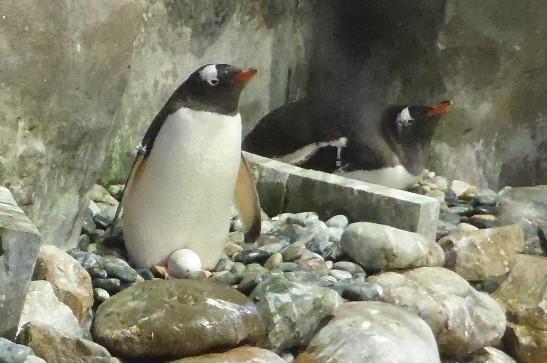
(307, 291)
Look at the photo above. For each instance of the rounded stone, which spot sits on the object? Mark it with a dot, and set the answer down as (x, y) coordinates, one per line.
(176, 318)
(183, 261)
(338, 221)
(275, 260)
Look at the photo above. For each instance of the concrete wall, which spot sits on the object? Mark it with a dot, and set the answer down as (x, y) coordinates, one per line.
(176, 37)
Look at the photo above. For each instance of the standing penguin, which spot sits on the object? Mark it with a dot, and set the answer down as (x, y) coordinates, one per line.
(187, 171)
(390, 150)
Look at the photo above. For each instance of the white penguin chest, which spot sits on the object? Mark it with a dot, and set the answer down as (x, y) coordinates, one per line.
(394, 177)
(181, 196)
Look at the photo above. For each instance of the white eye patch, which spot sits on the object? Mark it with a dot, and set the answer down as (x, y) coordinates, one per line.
(404, 116)
(209, 74)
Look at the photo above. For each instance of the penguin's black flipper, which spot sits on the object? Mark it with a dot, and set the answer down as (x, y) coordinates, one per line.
(142, 152)
(246, 199)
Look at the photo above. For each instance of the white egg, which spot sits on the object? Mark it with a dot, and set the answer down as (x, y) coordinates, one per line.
(183, 261)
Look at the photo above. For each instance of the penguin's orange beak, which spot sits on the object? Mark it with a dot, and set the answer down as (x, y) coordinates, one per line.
(440, 109)
(246, 75)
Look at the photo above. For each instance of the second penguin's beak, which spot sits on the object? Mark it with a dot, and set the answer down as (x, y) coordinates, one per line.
(440, 109)
(245, 75)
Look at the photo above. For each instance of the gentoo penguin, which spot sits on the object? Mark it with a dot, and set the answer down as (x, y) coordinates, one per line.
(187, 170)
(390, 151)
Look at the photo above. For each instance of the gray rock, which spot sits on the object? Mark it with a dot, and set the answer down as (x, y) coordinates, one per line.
(292, 310)
(250, 280)
(100, 295)
(100, 194)
(251, 256)
(293, 252)
(56, 347)
(116, 190)
(459, 187)
(13, 353)
(19, 246)
(97, 272)
(331, 195)
(372, 332)
(359, 290)
(524, 292)
(335, 234)
(340, 274)
(65, 107)
(338, 221)
(104, 218)
(83, 242)
(377, 247)
(200, 316)
(348, 266)
(484, 355)
(287, 266)
(226, 278)
(42, 306)
(111, 285)
(86, 259)
(118, 268)
(237, 355)
(88, 224)
(273, 247)
(327, 281)
(237, 268)
(485, 254)
(485, 197)
(304, 219)
(70, 281)
(525, 206)
(461, 318)
(526, 343)
(273, 261)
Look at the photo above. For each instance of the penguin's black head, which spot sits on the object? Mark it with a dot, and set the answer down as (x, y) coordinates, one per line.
(217, 87)
(409, 130)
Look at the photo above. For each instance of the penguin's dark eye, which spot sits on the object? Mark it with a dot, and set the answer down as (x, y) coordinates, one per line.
(213, 82)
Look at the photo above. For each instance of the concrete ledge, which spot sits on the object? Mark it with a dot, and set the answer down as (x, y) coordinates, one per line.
(20, 243)
(287, 188)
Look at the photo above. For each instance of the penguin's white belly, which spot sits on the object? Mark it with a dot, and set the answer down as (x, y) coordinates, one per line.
(394, 177)
(181, 195)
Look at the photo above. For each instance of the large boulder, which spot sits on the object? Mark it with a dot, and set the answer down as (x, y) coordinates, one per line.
(372, 332)
(19, 246)
(291, 310)
(524, 292)
(382, 248)
(461, 318)
(486, 254)
(526, 206)
(70, 281)
(177, 318)
(237, 355)
(62, 82)
(56, 347)
(42, 306)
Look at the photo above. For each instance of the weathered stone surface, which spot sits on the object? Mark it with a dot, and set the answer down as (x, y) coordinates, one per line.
(483, 254)
(379, 248)
(287, 188)
(70, 281)
(42, 306)
(527, 344)
(237, 355)
(526, 206)
(62, 81)
(176, 318)
(13, 353)
(524, 292)
(372, 332)
(484, 355)
(19, 246)
(292, 310)
(461, 318)
(56, 347)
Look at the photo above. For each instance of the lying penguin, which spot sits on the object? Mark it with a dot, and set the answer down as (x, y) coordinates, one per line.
(391, 150)
(178, 196)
